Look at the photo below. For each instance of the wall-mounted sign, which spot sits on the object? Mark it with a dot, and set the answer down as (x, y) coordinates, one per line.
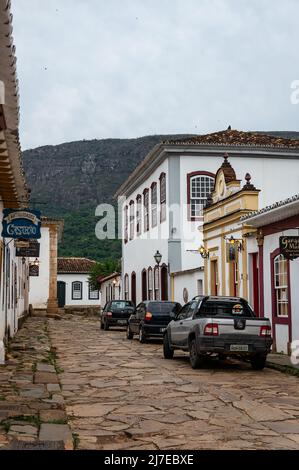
(19, 243)
(30, 251)
(21, 224)
(33, 270)
(231, 252)
(289, 246)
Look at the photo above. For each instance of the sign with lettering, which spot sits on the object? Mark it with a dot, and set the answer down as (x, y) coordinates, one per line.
(289, 246)
(23, 224)
(33, 270)
(30, 251)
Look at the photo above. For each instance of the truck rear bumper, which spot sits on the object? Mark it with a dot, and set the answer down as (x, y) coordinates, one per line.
(234, 344)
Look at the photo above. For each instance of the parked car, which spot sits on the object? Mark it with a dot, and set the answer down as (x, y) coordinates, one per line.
(116, 312)
(226, 326)
(151, 319)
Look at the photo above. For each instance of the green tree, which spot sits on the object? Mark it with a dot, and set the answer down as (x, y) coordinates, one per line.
(102, 269)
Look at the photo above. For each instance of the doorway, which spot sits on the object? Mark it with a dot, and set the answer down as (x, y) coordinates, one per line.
(133, 288)
(61, 294)
(144, 285)
(164, 283)
(214, 277)
(255, 283)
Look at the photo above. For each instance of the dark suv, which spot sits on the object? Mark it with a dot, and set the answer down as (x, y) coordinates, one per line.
(151, 318)
(116, 312)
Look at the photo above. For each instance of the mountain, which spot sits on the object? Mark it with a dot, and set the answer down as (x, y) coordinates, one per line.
(71, 179)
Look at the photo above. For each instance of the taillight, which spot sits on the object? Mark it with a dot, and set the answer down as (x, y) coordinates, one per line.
(108, 314)
(265, 330)
(148, 316)
(211, 329)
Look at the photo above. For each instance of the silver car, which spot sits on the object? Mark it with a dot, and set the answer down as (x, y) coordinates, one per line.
(218, 325)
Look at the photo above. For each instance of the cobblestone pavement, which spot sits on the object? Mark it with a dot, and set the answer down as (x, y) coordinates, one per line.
(121, 394)
(32, 412)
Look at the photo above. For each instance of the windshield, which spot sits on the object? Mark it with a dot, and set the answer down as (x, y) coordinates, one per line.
(163, 307)
(121, 304)
(223, 308)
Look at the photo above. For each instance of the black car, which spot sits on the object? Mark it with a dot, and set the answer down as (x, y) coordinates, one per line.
(116, 312)
(151, 318)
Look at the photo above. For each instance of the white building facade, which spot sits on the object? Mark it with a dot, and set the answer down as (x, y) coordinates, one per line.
(73, 286)
(110, 288)
(163, 199)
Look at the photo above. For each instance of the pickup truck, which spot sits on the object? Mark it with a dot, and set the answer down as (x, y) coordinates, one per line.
(216, 325)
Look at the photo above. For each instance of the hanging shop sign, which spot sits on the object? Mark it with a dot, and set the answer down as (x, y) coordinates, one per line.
(23, 224)
(289, 246)
(231, 252)
(33, 270)
(30, 251)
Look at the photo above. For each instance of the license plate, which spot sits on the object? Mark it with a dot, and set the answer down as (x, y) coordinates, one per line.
(122, 322)
(239, 347)
(162, 330)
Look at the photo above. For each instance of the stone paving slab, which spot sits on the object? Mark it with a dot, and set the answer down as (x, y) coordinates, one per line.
(121, 395)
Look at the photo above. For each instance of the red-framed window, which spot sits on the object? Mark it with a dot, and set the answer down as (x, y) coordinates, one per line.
(132, 219)
(150, 283)
(138, 214)
(280, 285)
(200, 185)
(162, 197)
(146, 210)
(154, 202)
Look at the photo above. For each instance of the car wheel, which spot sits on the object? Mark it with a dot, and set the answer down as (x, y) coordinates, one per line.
(106, 325)
(167, 350)
(196, 360)
(142, 336)
(258, 362)
(129, 333)
(102, 326)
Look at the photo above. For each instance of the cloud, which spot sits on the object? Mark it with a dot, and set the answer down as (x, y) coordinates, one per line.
(126, 68)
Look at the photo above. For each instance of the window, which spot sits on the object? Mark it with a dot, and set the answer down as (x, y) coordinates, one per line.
(200, 186)
(126, 224)
(157, 282)
(77, 290)
(126, 287)
(138, 215)
(92, 294)
(146, 210)
(132, 219)
(162, 197)
(150, 284)
(154, 202)
(281, 286)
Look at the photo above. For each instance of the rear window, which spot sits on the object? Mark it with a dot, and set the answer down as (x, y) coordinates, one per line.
(121, 304)
(163, 307)
(226, 309)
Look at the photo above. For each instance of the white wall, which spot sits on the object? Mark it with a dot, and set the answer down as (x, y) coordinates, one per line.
(189, 281)
(109, 285)
(69, 279)
(39, 285)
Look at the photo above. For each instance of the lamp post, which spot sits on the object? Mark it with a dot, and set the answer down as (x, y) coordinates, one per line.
(158, 258)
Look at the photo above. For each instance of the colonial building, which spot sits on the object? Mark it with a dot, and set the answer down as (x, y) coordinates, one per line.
(74, 288)
(162, 205)
(224, 238)
(110, 288)
(43, 270)
(273, 252)
(14, 271)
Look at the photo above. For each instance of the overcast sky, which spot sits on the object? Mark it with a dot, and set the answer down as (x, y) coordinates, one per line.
(127, 68)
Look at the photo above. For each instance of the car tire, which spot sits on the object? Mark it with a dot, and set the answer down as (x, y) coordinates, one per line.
(167, 350)
(196, 360)
(106, 325)
(102, 326)
(129, 333)
(258, 362)
(142, 335)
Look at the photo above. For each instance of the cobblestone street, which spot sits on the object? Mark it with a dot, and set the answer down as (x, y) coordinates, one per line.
(120, 394)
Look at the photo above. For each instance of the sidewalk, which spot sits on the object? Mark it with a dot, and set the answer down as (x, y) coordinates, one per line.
(32, 412)
(283, 363)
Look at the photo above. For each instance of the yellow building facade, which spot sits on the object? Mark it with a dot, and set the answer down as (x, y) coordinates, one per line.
(224, 238)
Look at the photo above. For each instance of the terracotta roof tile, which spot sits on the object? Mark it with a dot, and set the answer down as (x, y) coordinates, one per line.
(237, 138)
(74, 265)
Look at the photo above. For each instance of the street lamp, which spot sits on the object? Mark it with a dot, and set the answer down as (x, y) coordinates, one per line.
(235, 241)
(158, 257)
(203, 252)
